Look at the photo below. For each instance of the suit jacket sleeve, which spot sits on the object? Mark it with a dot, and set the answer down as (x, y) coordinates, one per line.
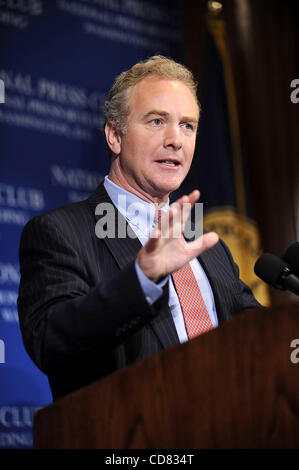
(63, 317)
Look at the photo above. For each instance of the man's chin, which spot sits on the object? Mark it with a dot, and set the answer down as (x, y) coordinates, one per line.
(163, 190)
(171, 186)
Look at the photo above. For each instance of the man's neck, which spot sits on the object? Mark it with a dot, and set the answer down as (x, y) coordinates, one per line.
(120, 180)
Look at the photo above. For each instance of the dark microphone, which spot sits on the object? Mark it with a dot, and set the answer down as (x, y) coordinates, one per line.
(276, 272)
(291, 257)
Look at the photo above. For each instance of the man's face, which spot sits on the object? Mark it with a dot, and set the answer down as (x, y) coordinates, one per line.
(155, 154)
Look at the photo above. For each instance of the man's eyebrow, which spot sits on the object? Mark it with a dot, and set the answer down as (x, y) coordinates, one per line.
(190, 119)
(160, 112)
(156, 112)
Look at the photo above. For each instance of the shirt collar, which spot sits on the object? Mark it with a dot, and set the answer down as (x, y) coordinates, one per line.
(137, 212)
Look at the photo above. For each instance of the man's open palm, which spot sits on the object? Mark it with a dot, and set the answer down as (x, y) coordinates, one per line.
(167, 250)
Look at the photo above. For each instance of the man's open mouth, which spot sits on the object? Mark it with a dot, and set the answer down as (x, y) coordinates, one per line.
(169, 162)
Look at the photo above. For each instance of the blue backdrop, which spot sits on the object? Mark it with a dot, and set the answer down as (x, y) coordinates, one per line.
(58, 59)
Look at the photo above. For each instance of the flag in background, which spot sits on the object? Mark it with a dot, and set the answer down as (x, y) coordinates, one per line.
(221, 173)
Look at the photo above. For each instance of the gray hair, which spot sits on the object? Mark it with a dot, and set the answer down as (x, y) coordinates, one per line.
(116, 107)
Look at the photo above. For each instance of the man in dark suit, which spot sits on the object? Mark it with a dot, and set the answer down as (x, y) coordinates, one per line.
(92, 300)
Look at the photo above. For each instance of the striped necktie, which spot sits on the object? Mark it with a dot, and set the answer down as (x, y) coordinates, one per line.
(196, 316)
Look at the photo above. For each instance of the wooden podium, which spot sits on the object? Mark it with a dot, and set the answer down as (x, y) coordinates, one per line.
(234, 387)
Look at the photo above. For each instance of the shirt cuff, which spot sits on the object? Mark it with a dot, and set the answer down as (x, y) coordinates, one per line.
(151, 289)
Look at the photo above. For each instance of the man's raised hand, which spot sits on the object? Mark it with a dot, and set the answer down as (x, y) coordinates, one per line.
(166, 251)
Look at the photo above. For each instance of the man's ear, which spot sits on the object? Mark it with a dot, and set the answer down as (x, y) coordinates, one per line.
(113, 138)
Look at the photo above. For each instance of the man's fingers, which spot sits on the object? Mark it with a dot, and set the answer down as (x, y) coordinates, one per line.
(153, 241)
(183, 206)
(209, 240)
(190, 198)
(203, 243)
(194, 196)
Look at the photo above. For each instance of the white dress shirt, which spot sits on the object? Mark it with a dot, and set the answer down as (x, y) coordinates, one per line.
(140, 216)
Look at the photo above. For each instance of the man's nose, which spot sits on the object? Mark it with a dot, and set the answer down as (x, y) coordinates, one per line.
(173, 138)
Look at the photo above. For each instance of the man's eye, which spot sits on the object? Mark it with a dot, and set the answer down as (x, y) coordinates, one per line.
(156, 122)
(188, 126)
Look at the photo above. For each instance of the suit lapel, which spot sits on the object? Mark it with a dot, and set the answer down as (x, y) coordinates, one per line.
(124, 251)
(164, 327)
(211, 265)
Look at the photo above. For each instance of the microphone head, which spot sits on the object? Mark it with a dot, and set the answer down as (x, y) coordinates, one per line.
(271, 269)
(291, 257)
